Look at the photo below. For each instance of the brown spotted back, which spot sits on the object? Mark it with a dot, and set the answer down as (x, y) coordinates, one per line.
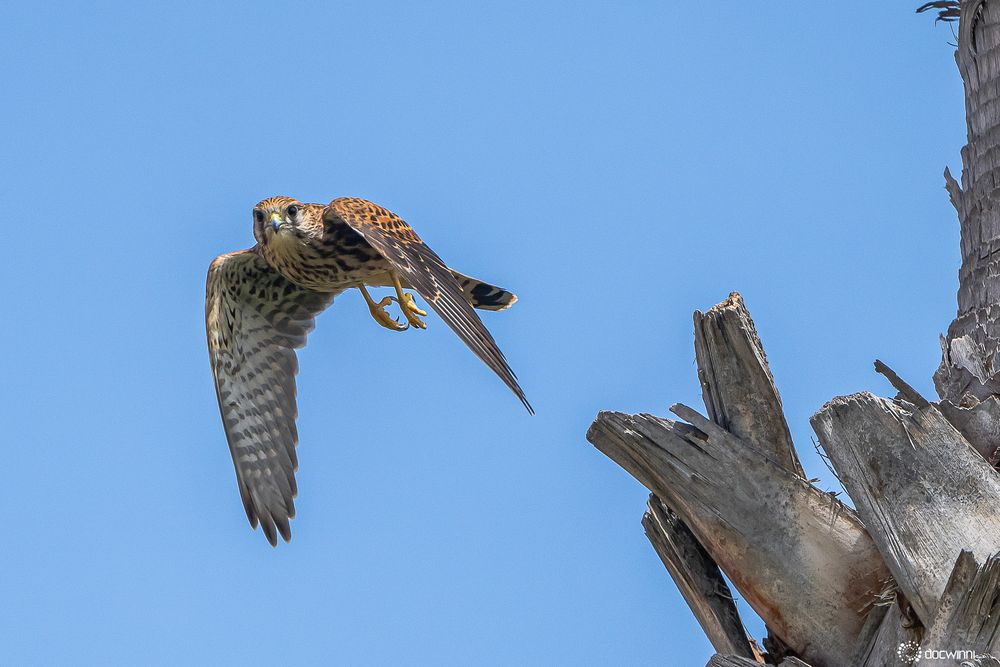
(363, 210)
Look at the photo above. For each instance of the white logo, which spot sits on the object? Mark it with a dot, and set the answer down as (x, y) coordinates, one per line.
(909, 652)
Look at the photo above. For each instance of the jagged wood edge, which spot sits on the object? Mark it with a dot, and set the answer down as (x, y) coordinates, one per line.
(699, 580)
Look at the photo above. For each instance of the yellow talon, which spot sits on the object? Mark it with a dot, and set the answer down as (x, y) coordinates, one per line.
(410, 309)
(379, 314)
(412, 305)
(408, 305)
(382, 317)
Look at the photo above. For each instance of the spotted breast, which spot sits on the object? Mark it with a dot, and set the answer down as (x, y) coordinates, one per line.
(320, 254)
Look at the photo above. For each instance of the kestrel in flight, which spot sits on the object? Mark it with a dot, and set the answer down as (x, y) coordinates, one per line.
(261, 304)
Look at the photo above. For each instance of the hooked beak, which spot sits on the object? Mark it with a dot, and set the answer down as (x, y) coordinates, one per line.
(276, 221)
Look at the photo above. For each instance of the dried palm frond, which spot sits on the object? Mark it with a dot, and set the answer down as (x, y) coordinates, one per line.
(948, 10)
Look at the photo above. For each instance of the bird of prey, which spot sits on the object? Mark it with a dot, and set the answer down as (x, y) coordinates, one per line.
(261, 303)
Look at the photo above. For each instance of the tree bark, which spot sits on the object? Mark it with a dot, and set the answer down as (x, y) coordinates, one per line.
(888, 628)
(923, 492)
(970, 360)
(966, 629)
(736, 661)
(980, 424)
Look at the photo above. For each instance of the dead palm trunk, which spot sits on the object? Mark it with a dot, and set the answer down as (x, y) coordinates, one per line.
(913, 571)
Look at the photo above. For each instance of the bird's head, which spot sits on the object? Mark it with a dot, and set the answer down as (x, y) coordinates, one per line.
(278, 219)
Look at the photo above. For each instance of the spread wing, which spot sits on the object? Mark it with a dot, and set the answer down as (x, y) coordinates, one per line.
(427, 274)
(255, 319)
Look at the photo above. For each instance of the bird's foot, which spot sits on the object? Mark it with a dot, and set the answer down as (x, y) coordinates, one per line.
(382, 317)
(411, 311)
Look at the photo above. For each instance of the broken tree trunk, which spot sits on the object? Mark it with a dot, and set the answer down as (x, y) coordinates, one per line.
(736, 383)
(746, 500)
(971, 350)
(898, 579)
(923, 492)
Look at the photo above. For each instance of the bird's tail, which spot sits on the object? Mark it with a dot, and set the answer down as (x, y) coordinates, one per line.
(483, 295)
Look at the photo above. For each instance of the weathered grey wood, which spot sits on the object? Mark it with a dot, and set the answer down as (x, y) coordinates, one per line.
(922, 490)
(801, 560)
(966, 373)
(776, 650)
(736, 382)
(699, 580)
(905, 390)
(738, 389)
(719, 660)
(979, 424)
(968, 618)
(970, 362)
(886, 629)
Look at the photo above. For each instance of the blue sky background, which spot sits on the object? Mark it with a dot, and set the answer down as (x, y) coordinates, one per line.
(617, 165)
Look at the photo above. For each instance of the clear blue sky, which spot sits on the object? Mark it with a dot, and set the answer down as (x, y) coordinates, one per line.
(616, 165)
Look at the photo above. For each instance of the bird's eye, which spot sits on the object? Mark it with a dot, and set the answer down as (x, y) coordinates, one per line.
(293, 210)
(258, 215)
